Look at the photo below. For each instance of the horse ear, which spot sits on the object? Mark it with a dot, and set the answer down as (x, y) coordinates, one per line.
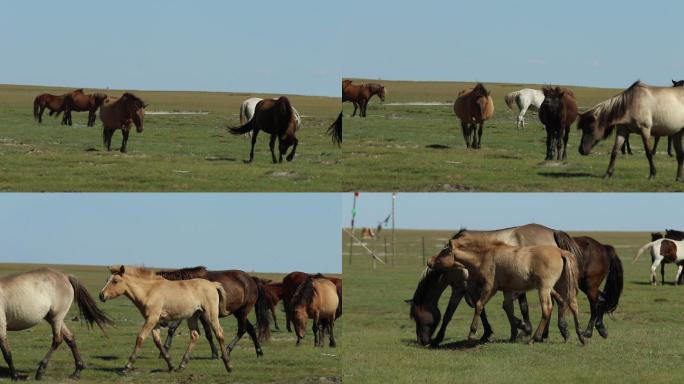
(122, 270)
(674, 82)
(114, 268)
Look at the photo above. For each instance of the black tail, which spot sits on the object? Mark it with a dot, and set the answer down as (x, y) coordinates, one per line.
(335, 130)
(261, 309)
(338, 313)
(614, 282)
(565, 242)
(285, 109)
(241, 130)
(87, 306)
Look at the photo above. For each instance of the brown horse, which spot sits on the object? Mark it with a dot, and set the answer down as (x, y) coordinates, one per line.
(335, 130)
(672, 235)
(120, 113)
(161, 301)
(273, 116)
(498, 266)
(473, 107)
(244, 293)
(273, 293)
(54, 103)
(80, 102)
(557, 112)
(360, 95)
(317, 299)
(292, 281)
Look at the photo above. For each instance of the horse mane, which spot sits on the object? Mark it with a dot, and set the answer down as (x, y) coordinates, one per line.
(184, 273)
(305, 292)
(615, 108)
(478, 244)
(374, 87)
(458, 234)
(138, 271)
(133, 99)
(673, 232)
(479, 91)
(427, 279)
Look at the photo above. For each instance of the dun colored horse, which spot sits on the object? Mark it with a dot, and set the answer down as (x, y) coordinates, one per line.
(292, 281)
(671, 251)
(317, 299)
(643, 109)
(80, 102)
(497, 266)
(120, 113)
(28, 298)
(244, 293)
(679, 83)
(161, 301)
(473, 107)
(669, 234)
(335, 130)
(54, 103)
(360, 95)
(276, 117)
(557, 112)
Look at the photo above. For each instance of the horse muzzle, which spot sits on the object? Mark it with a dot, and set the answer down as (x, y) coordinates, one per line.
(102, 297)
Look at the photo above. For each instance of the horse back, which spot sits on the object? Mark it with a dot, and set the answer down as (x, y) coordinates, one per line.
(326, 298)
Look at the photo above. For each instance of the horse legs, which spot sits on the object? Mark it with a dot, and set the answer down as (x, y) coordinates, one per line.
(331, 324)
(273, 314)
(662, 273)
(525, 325)
(71, 342)
(57, 339)
(619, 140)
(6, 350)
(207, 334)
(649, 156)
(218, 332)
(479, 136)
(364, 106)
(559, 143)
(169, 336)
(656, 261)
(575, 315)
(251, 151)
(124, 142)
(156, 336)
(356, 106)
(465, 128)
(549, 143)
(194, 338)
(565, 142)
(509, 309)
(593, 293)
(288, 317)
(547, 307)
(40, 113)
(479, 307)
(454, 300)
(316, 324)
(679, 273)
(669, 146)
(677, 142)
(656, 140)
(271, 145)
(487, 327)
(294, 149)
(149, 325)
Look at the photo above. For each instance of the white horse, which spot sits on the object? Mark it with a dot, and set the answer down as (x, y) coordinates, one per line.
(524, 99)
(668, 250)
(247, 112)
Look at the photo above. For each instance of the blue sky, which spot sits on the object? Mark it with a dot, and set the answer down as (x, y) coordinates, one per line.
(250, 46)
(581, 42)
(567, 211)
(255, 232)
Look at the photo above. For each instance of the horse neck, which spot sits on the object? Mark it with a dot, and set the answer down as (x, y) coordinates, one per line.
(430, 293)
(471, 259)
(138, 288)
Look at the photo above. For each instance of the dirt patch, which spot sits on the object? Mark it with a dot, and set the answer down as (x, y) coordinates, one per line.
(283, 174)
(457, 188)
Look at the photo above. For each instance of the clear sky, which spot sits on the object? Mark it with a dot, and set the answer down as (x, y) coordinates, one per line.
(580, 42)
(566, 211)
(254, 232)
(250, 46)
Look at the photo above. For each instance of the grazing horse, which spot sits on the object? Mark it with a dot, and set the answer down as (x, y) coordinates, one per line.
(80, 102)
(360, 95)
(54, 103)
(643, 109)
(335, 130)
(664, 250)
(273, 293)
(45, 294)
(161, 301)
(679, 83)
(524, 99)
(557, 112)
(317, 299)
(473, 107)
(120, 113)
(292, 281)
(244, 293)
(277, 117)
(498, 266)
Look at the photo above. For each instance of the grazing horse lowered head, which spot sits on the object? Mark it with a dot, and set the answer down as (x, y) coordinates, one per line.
(473, 107)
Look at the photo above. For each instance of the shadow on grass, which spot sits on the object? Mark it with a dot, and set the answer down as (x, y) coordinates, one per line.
(91, 149)
(649, 283)
(5, 373)
(106, 357)
(220, 158)
(566, 175)
(437, 146)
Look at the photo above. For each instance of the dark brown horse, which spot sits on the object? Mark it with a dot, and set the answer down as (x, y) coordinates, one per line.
(54, 103)
(360, 95)
(272, 116)
(473, 107)
(80, 102)
(273, 293)
(292, 281)
(679, 83)
(557, 112)
(243, 293)
(121, 113)
(335, 130)
(672, 235)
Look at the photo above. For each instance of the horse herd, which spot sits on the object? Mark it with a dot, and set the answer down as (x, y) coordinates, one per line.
(164, 299)
(274, 116)
(477, 264)
(642, 109)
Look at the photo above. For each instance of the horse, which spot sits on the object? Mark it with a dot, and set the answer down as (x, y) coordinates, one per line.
(524, 99)
(473, 107)
(244, 293)
(292, 281)
(360, 95)
(647, 110)
(557, 112)
(335, 130)
(664, 250)
(273, 293)
(317, 299)
(80, 102)
(672, 235)
(498, 266)
(54, 103)
(247, 112)
(161, 301)
(45, 294)
(120, 113)
(679, 83)
(277, 117)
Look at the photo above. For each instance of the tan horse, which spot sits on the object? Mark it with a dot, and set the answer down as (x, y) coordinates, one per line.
(28, 298)
(316, 299)
(162, 301)
(473, 107)
(80, 102)
(120, 113)
(497, 266)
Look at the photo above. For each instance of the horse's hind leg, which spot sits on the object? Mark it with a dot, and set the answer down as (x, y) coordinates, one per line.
(218, 332)
(565, 142)
(656, 140)
(669, 146)
(356, 106)
(677, 142)
(156, 336)
(124, 142)
(253, 335)
(593, 295)
(465, 129)
(194, 338)
(294, 149)
(546, 307)
(173, 327)
(479, 136)
(510, 314)
(71, 342)
(273, 314)
(271, 145)
(207, 333)
(549, 143)
(488, 332)
(649, 156)
(575, 314)
(619, 140)
(331, 325)
(56, 342)
(5, 347)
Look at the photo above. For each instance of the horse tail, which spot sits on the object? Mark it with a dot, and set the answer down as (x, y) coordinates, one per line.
(261, 310)
(223, 299)
(568, 278)
(241, 130)
(642, 249)
(243, 114)
(614, 282)
(510, 99)
(285, 108)
(36, 107)
(87, 307)
(335, 130)
(338, 312)
(567, 243)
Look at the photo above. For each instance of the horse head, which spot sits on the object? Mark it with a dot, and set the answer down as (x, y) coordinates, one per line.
(135, 108)
(592, 131)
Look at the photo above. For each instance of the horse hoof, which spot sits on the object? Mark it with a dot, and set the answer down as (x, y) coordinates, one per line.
(651, 177)
(75, 375)
(603, 333)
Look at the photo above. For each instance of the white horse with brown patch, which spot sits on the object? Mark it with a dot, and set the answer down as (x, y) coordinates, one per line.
(664, 250)
(524, 99)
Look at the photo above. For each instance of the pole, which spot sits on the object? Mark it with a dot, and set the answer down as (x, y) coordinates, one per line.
(385, 239)
(394, 199)
(351, 237)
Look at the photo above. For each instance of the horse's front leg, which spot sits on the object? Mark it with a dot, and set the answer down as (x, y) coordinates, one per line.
(479, 135)
(454, 300)
(169, 336)
(149, 325)
(549, 144)
(356, 106)
(271, 145)
(124, 141)
(679, 272)
(559, 143)
(649, 155)
(479, 307)
(294, 149)
(619, 140)
(656, 261)
(251, 151)
(510, 314)
(465, 129)
(565, 142)
(669, 146)
(156, 336)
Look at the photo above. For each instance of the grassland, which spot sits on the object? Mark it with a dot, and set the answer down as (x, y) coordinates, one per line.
(104, 357)
(643, 344)
(420, 148)
(174, 153)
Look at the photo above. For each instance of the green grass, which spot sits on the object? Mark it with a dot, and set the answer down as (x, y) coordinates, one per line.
(174, 153)
(421, 148)
(643, 343)
(104, 357)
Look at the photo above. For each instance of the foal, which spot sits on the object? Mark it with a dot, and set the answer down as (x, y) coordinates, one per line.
(316, 299)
